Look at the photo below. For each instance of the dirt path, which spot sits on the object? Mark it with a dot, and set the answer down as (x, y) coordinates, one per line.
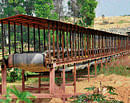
(121, 83)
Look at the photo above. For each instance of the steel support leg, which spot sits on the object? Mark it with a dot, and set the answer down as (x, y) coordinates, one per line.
(3, 71)
(74, 78)
(88, 71)
(52, 80)
(39, 82)
(95, 68)
(23, 81)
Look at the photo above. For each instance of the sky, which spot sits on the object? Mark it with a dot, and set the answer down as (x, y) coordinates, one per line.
(113, 7)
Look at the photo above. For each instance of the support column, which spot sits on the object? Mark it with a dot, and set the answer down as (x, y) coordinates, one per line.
(52, 80)
(63, 78)
(3, 71)
(101, 64)
(88, 71)
(63, 85)
(39, 83)
(95, 68)
(74, 78)
(106, 64)
(23, 81)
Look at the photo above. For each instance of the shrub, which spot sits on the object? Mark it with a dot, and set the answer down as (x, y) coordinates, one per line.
(97, 96)
(21, 96)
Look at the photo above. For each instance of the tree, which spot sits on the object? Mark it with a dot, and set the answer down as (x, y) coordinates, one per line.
(74, 9)
(58, 8)
(12, 7)
(83, 9)
(44, 9)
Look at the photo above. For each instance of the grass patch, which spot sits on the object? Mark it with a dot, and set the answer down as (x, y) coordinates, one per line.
(123, 21)
(119, 70)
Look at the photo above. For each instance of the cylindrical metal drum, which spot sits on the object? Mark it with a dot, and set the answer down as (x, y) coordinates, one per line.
(34, 62)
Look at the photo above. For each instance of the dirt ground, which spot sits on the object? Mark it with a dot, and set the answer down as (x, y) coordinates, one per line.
(121, 83)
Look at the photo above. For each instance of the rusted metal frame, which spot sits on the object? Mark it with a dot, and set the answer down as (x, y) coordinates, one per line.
(99, 45)
(75, 41)
(109, 44)
(102, 45)
(23, 80)
(44, 36)
(53, 42)
(74, 78)
(60, 38)
(95, 66)
(28, 38)
(37, 89)
(39, 83)
(52, 80)
(95, 40)
(92, 45)
(3, 82)
(88, 71)
(63, 85)
(34, 40)
(71, 43)
(63, 45)
(78, 44)
(39, 38)
(88, 44)
(105, 44)
(14, 37)
(80, 40)
(2, 29)
(9, 36)
(120, 48)
(112, 44)
(57, 37)
(30, 22)
(115, 44)
(85, 44)
(82, 44)
(67, 42)
(21, 37)
(124, 43)
(49, 42)
(119, 43)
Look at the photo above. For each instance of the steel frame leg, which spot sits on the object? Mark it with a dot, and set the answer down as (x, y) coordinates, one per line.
(63, 85)
(39, 82)
(23, 80)
(52, 80)
(95, 68)
(4, 75)
(74, 78)
(88, 71)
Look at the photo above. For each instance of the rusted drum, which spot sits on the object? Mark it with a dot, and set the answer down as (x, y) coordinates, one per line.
(34, 62)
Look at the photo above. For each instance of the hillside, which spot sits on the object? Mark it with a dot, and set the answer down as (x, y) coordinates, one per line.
(119, 24)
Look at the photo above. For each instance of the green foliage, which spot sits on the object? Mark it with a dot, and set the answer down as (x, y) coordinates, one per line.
(13, 7)
(14, 75)
(87, 12)
(119, 70)
(43, 8)
(84, 9)
(21, 96)
(96, 96)
(8, 97)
